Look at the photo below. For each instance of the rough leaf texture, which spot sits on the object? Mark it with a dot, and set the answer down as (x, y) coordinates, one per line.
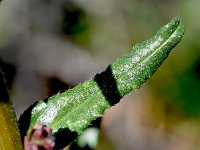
(69, 113)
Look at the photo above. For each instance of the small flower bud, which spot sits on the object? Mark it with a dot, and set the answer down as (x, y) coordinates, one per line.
(39, 138)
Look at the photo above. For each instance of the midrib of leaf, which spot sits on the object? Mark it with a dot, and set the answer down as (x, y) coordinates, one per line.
(143, 59)
(88, 101)
(69, 109)
(93, 101)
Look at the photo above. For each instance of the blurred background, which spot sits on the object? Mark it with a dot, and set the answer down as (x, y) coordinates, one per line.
(48, 46)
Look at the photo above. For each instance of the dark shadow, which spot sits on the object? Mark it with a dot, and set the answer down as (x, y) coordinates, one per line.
(77, 147)
(4, 96)
(25, 120)
(74, 19)
(9, 72)
(94, 124)
(64, 137)
(197, 69)
(108, 86)
(55, 85)
(46, 100)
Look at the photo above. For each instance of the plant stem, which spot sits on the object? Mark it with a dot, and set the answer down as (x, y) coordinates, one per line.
(9, 133)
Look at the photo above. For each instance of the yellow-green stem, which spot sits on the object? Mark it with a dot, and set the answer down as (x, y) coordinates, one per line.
(9, 132)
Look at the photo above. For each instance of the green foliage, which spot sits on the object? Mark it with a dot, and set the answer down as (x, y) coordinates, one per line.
(184, 93)
(69, 113)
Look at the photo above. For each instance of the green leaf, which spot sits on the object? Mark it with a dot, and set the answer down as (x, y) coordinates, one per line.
(69, 113)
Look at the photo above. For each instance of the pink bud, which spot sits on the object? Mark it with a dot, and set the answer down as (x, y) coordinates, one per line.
(39, 138)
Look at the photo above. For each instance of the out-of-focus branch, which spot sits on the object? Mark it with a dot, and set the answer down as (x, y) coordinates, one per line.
(9, 137)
